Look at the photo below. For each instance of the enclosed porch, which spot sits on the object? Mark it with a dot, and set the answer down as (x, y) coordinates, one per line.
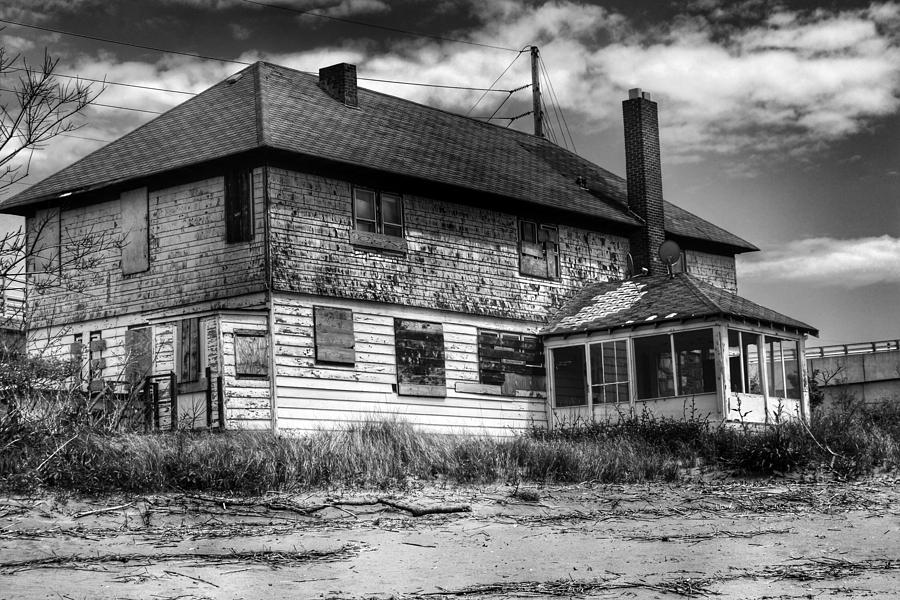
(676, 347)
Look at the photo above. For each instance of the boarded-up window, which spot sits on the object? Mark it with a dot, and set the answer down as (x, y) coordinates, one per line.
(239, 205)
(96, 361)
(251, 354)
(138, 358)
(135, 229)
(189, 349)
(334, 335)
(420, 358)
(47, 241)
(538, 250)
(76, 355)
(511, 360)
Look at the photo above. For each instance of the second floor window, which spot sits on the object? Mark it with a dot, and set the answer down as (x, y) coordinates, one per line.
(538, 250)
(377, 212)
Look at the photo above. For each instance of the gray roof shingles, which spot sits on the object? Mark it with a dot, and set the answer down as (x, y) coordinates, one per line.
(385, 133)
(644, 301)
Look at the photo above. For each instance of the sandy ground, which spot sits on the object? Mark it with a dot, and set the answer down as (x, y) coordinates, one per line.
(716, 538)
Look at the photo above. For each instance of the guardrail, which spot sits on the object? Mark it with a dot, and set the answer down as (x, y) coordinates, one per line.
(855, 348)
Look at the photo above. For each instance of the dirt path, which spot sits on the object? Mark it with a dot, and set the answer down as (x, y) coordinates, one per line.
(731, 540)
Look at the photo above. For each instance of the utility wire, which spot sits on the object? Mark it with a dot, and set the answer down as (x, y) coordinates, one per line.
(207, 57)
(548, 123)
(105, 81)
(142, 110)
(508, 67)
(557, 102)
(374, 26)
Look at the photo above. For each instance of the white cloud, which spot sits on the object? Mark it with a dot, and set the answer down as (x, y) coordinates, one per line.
(827, 262)
(741, 80)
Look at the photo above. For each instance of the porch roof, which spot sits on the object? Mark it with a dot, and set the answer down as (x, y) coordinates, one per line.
(649, 301)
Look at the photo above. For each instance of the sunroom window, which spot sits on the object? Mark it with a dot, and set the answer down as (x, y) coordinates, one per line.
(609, 372)
(568, 376)
(693, 370)
(782, 370)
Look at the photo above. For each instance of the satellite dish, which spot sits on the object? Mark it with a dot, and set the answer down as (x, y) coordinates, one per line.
(669, 253)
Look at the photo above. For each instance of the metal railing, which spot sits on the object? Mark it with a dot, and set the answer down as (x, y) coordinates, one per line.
(855, 348)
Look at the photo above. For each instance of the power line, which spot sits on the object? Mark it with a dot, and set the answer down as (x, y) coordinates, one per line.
(106, 81)
(374, 26)
(557, 102)
(142, 110)
(204, 57)
(508, 67)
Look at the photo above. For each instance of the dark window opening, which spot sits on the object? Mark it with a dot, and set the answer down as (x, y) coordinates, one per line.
(653, 367)
(189, 348)
(239, 205)
(538, 250)
(569, 377)
(696, 366)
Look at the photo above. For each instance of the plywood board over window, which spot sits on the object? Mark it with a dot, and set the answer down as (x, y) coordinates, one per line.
(189, 348)
(251, 354)
(334, 335)
(134, 208)
(513, 361)
(420, 358)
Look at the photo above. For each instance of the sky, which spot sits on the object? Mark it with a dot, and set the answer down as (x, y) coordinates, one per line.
(779, 121)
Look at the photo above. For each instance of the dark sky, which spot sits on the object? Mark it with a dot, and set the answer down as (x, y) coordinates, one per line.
(779, 121)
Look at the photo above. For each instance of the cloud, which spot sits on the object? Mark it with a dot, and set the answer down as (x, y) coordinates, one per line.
(826, 262)
(238, 31)
(749, 81)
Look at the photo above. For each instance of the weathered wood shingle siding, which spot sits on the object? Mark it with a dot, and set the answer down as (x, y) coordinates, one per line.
(460, 258)
(190, 260)
(715, 269)
(313, 395)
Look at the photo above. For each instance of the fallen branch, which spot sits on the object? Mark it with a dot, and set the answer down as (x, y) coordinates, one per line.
(102, 510)
(419, 511)
(55, 452)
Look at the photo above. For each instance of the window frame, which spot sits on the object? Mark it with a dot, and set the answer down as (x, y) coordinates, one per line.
(378, 212)
(676, 383)
(546, 236)
(587, 380)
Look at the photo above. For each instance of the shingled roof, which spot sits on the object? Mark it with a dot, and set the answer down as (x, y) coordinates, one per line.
(268, 106)
(645, 301)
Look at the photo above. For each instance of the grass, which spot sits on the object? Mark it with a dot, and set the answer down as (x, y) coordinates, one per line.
(851, 441)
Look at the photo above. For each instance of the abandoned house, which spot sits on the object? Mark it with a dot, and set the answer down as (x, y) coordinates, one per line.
(297, 252)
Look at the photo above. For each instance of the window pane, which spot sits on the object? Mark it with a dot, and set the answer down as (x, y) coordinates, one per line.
(609, 363)
(365, 205)
(394, 230)
(752, 384)
(653, 367)
(527, 232)
(696, 362)
(792, 369)
(568, 376)
(734, 361)
(775, 367)
(621, 361)
(390, 210)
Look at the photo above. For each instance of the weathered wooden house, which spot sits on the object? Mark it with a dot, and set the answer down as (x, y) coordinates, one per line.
(313, 253)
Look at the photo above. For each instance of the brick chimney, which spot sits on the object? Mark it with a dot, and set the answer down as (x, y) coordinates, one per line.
(644, 176)
(339, 81)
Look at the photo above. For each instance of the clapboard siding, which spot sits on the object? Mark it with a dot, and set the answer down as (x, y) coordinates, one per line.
(190, 261)
(313, 396)
(459, 258)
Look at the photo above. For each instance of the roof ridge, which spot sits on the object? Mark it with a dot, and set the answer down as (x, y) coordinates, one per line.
(693, 283)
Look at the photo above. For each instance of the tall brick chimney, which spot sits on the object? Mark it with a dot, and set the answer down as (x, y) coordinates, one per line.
(644, 176)
(339, 81)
